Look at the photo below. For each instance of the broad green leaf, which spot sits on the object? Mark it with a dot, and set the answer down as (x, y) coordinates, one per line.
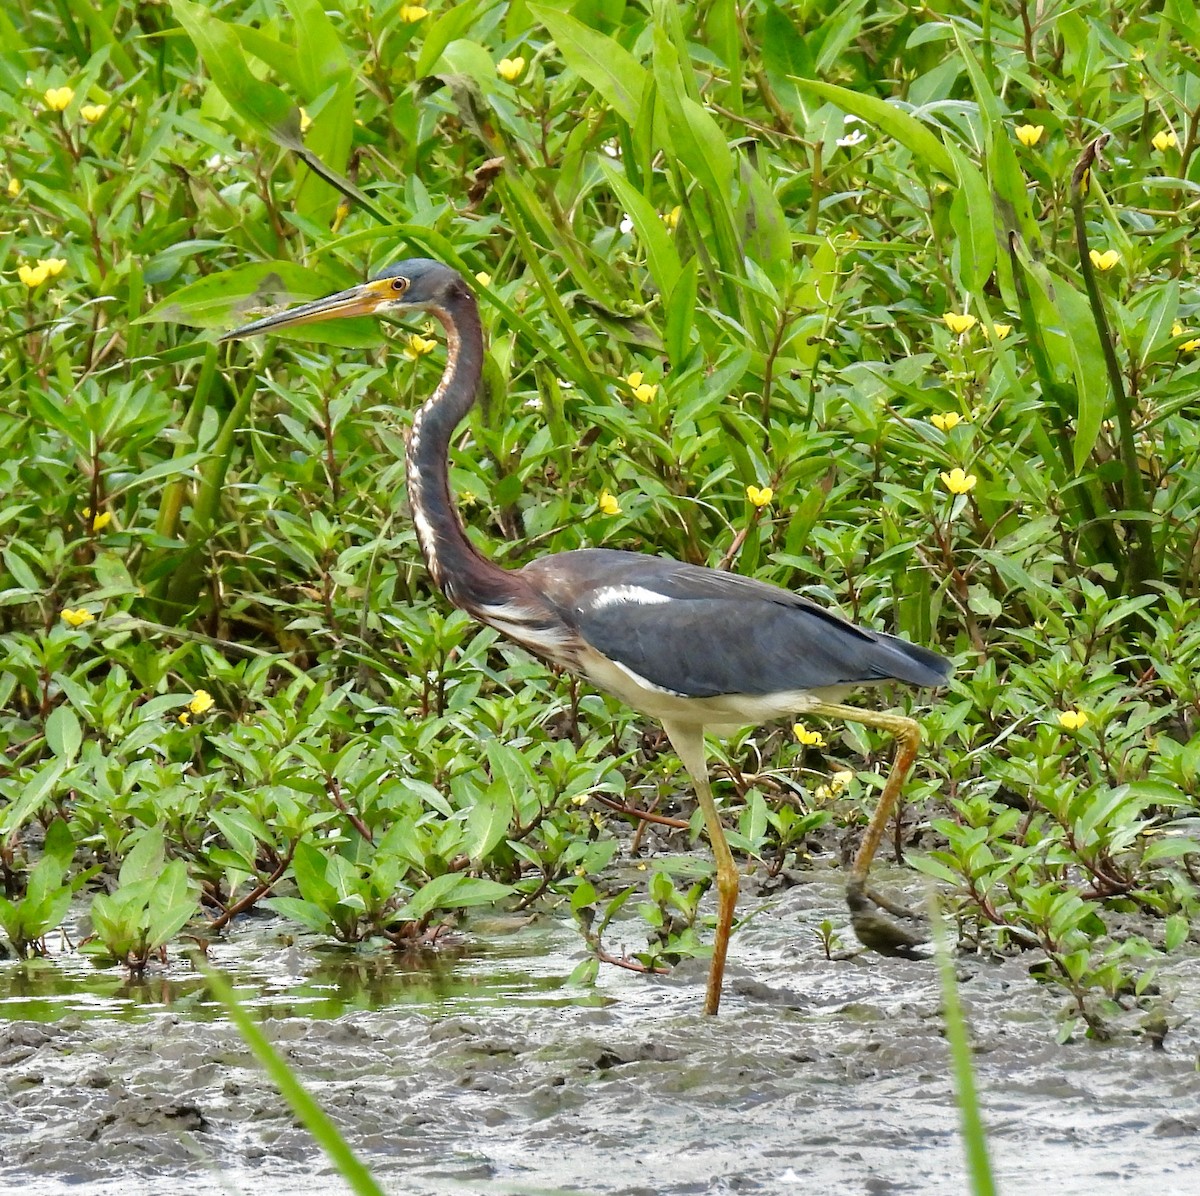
(261, 105)
(311, 868)
(304, 912)
(767, 237)
(35, 793)
(681, 313)
(890, 120)
(974, 224)
(454, 890)
(63, 733)
(487, 825)
(695, 136)
(1069, 333)
(451, 25)
(1156, 322)
(319, 52)
(785, 55)
(603, 62)
(661, 257)
(172, 904)
(145, 859)
(244, 293)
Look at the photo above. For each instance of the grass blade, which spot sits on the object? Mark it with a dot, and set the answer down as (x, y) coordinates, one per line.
(315, 1119)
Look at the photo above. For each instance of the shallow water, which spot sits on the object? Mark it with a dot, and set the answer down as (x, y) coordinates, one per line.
(484, 1072)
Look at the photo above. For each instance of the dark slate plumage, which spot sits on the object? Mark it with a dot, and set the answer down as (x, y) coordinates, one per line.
(719, 633)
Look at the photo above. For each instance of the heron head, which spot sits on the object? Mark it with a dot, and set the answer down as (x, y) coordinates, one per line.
(414, 284)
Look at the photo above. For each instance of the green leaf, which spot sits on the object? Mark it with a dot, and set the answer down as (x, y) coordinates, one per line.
(487, 825)
(64, 736)
(36, 792)
(306, 1109)
(172, 904)
(1156, 324)
(603, 62)
(974, 224)
(681, 312)
(319, 52)
(454, 890)
(893, 121)
(661, 257)
(242, 293)
(261, 105)
(451, 25)
(311, 869)
(767, 237)
(145, 859)
(306, 913)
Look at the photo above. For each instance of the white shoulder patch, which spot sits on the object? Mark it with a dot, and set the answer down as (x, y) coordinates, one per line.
(622, 595)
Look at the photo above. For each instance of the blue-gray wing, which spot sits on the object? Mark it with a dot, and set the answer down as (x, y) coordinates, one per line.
(702, 632)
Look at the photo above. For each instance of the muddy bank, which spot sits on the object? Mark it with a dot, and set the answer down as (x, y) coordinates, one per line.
(824, 1077)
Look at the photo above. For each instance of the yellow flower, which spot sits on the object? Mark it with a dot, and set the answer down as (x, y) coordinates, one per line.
(947, 422)
(760, 498)
(483, 278)
(1190, 346)
(671, 218)
(608, 504)
(635, 379)
(958, 482)
(100, 522)
(54, 265)
(958, 324)
(33, 276)
(1177, 329)
(1072, 720)
(1106, 260)
(1164, 140)
(510, 69)
(57, 98)
(93, 112)
(77, 618)
(305, 121)
(339, 216)
(14, 188)
(807, 737)
(1001, 330)
(412, 13)
(1029, 135)
(418, 346)
(645, 392)
(201, 701)
(185, 718)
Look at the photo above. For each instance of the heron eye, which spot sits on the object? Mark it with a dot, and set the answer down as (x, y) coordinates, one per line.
(399, 284)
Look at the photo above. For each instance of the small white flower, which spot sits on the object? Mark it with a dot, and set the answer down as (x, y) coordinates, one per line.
(851, 119)
(626, 225)
(612, 149)
(852, 139)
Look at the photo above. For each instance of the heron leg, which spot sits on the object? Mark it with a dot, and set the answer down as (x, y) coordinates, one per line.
(872, 929)
(688, 741)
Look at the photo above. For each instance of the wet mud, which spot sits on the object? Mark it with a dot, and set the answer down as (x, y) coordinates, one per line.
(486, 1073)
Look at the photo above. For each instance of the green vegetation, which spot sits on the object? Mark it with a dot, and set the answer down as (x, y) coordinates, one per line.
(831, 294)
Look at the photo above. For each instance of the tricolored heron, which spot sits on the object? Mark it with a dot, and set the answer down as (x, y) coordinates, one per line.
(692, 647)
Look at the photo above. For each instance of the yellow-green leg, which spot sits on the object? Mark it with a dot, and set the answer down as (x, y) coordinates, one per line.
(688, 741)
(872, 928)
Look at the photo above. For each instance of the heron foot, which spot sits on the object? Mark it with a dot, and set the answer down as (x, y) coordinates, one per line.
(878, 932)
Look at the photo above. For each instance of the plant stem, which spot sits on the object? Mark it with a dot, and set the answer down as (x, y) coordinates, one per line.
(1140, 565)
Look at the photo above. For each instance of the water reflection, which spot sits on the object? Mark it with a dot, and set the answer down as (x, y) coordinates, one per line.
(282, 974)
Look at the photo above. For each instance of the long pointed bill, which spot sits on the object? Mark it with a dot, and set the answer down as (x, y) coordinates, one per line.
(361, 300)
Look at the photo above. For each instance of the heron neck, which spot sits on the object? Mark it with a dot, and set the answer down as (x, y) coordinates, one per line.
(463, 574)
